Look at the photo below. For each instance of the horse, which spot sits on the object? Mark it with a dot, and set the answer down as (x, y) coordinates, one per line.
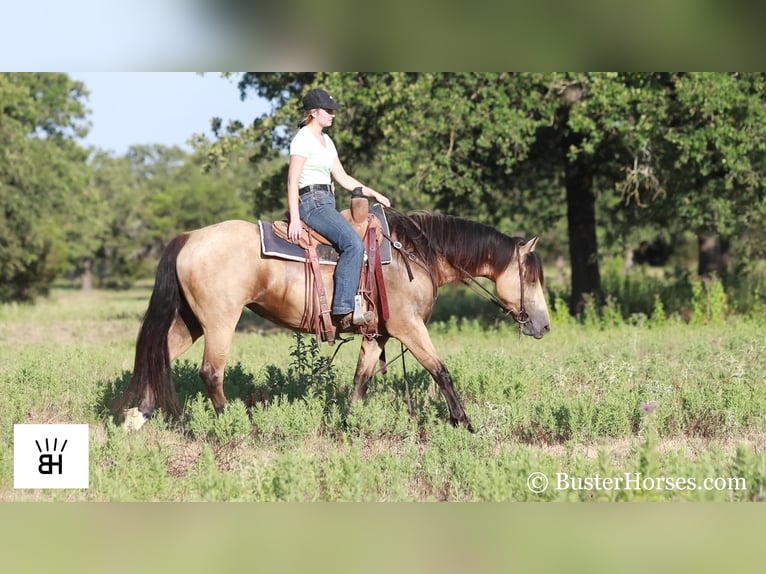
(206, 277)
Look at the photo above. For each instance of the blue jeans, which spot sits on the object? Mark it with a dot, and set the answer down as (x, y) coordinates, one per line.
(317, 210)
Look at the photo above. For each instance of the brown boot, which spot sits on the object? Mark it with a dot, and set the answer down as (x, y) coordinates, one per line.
(346, 321)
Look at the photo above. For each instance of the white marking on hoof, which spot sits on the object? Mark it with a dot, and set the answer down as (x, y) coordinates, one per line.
(134, 420)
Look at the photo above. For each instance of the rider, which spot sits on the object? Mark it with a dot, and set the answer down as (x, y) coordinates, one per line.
(311, 198)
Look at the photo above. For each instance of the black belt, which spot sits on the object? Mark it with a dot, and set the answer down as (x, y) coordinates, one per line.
(314, 187)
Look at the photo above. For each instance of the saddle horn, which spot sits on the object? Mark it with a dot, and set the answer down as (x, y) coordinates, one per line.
(360, 206)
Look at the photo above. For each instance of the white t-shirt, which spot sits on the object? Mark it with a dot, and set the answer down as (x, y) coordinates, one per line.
(319, 159)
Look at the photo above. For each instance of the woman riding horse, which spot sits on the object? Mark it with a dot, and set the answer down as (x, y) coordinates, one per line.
(311, 199)
(205, 277)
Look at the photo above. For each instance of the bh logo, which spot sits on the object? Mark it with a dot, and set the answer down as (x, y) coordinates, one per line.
(50, 456)
(47, 463)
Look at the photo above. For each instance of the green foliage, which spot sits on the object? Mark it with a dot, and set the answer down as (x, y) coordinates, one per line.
(658, 312)
(558, 309)
(42, 173)
(698, 303)
(633, 290)
(381, 416)
(63, 211)
(709, 304)
(590, 316)
(716, 298)
(232, 425)
(310, 374)
(293, 403)
(117, 241)
(309, 368)
(583, 401)
(148, 197)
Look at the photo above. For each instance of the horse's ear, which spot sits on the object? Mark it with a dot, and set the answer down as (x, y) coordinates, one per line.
(528, 246)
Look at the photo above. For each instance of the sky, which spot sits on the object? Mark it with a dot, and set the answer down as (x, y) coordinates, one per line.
(52, 35)
(152, 35)
(130, 108)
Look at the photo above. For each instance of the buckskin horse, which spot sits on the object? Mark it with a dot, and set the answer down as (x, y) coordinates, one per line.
(207, 276)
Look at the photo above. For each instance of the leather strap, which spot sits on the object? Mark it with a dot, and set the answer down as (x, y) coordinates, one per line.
(323, 325)
(375, 268)
(370, 282)
(381, 285)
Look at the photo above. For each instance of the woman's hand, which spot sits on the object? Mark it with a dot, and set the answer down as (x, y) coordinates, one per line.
(379, 197)
(294, 230)
(382, 199)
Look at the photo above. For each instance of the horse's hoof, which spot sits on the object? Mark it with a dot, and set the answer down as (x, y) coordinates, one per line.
(134, 420)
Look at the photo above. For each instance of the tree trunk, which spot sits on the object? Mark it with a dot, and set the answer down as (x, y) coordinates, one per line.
(87, 280)
(581, 208)
(581, 221)
(713, 256)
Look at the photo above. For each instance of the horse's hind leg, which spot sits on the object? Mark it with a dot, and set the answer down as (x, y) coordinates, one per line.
(369, 354)
(417, 340)
(183, 332)
(217, 346)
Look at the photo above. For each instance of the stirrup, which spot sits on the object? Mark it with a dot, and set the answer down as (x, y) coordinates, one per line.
(349, 320)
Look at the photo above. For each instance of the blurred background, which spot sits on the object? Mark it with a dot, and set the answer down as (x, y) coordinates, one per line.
(140, 35)
(645, 188)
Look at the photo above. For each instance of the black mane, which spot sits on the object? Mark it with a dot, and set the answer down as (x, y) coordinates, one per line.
(465, 244)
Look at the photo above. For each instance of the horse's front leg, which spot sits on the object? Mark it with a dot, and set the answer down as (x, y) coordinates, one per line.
(457, 413)
(418, 341)
(369, 353)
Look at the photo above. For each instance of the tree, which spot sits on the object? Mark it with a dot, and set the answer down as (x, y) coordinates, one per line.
(120, 239)
(691, 144)
(42, 174)
(147, 197)
(187, 197)
(711, 153)
(501, 146)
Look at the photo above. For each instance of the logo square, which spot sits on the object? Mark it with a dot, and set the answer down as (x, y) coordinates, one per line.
(50, 456)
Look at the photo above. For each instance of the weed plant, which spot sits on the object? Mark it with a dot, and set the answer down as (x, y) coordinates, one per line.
(656, 394)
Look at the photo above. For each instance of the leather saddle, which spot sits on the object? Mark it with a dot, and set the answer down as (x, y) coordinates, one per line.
(358, 215)
(370, 231)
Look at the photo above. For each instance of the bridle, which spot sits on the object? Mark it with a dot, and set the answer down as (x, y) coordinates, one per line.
(521, 317)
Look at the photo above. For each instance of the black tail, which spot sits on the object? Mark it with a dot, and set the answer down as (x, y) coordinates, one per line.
(152, 364)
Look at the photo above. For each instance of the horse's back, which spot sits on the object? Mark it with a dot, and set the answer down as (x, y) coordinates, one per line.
(224, 254)
(226, 237)
(221, 269)
(231, 231)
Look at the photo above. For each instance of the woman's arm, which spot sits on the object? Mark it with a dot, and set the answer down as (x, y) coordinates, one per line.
(293, 175)
(350, 183)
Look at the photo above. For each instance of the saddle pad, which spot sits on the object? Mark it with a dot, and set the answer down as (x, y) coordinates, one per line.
(277, 247)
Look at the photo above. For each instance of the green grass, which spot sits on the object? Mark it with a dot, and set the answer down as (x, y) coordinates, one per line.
(661, 398)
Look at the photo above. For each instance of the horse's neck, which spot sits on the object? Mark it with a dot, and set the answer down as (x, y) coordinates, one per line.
(465, 248)
(450, 272)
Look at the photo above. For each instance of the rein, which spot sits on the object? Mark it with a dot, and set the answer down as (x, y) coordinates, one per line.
(522, 317)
